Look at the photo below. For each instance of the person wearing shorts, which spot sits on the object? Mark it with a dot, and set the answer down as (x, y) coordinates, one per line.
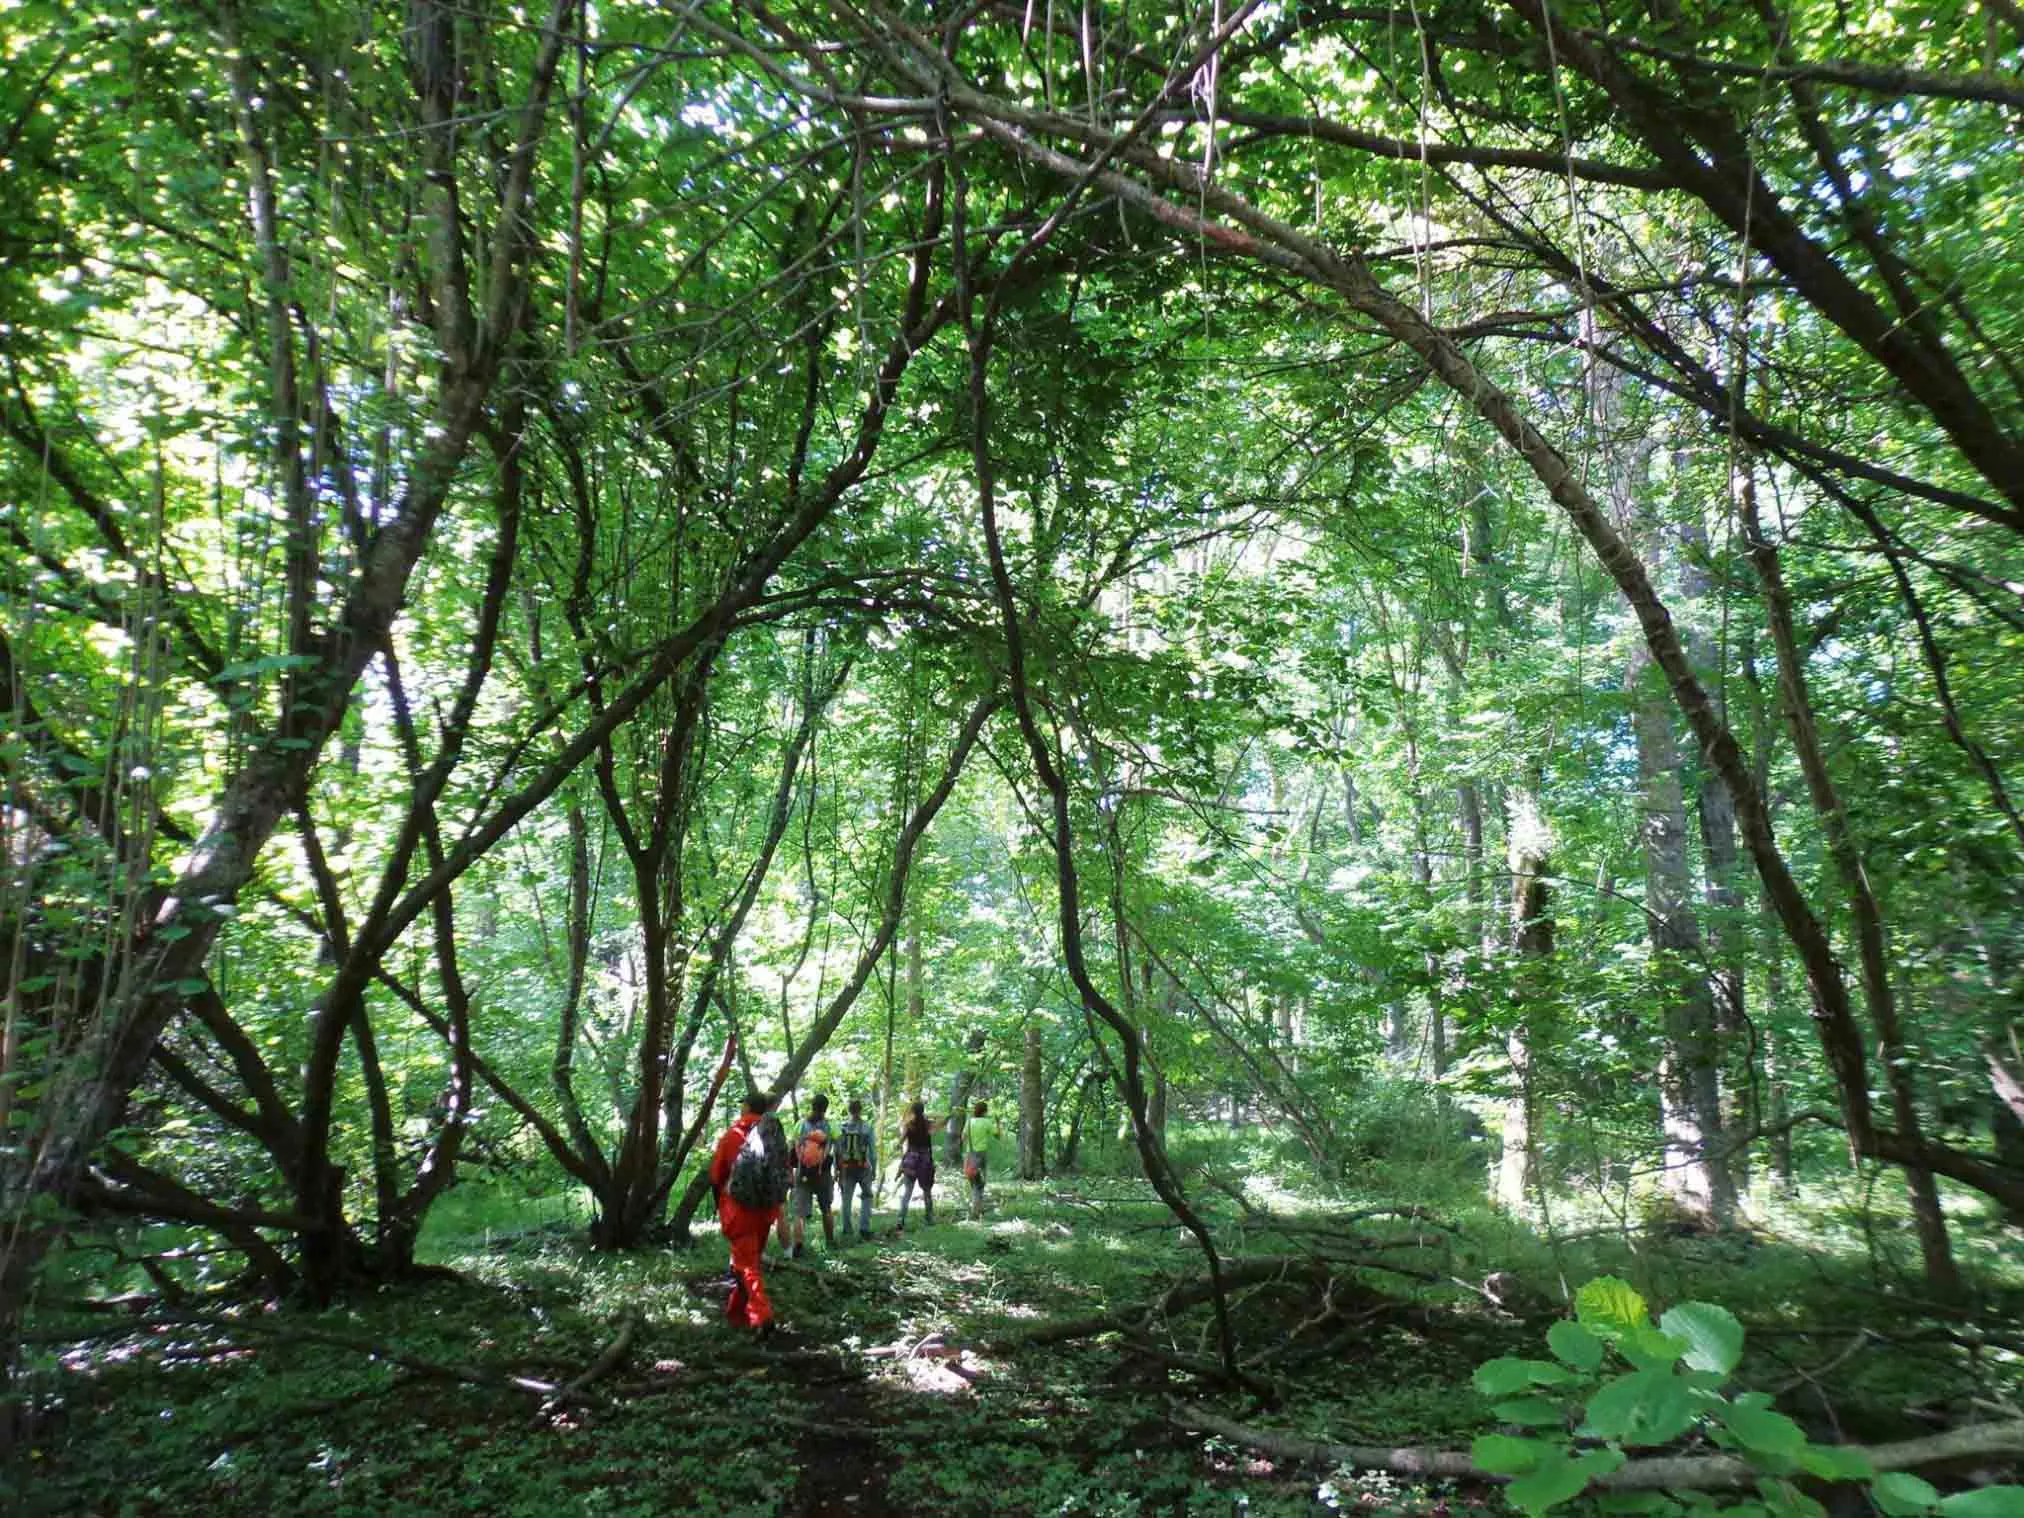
(814, 1180)
(977, 1159)
(917, 1165)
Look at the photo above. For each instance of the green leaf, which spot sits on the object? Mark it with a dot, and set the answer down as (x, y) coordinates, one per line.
(1988, 1502)
(1609, 1306)
(1555, 1481)
(1762, 1432)
(1507, 1455)
(1531, 1412)
(1505, 1375)
(1713, 1337)
(1648, 1349)
(1574, 1345)
(1645, 1407)
(1900, 1494)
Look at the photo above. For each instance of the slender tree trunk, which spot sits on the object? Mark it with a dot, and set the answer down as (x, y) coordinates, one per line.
(1397, 1030)
(1071, 1145)
(917, 1007)
(960, 1087)
(1032, 1109)
(1777, 1054)
(1530, 857)
(1742, 1064)
(1696, 1174)
(1479, 930)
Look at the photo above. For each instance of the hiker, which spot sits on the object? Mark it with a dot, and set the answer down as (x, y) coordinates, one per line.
(977, 1159)
(749, 1172)
(917, 1165)
(857, 1166)
(814, 1181)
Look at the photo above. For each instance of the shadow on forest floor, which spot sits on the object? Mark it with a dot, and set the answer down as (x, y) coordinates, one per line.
(999, 1367)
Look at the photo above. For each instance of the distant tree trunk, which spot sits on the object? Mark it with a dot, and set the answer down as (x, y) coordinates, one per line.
(959, 1097)
(2006, 1113)
(1469, 812)
(1696, 1173)
(1776, 1056)
(1530, 856)
(917, 1006)
(1032, 1109)
(1726, 932)
(1065, 1159)
(1282, 1021)
(1737, 1056)
(1397, 1033)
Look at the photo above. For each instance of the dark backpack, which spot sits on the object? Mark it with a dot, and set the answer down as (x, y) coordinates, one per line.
(758, 1178)
(853, 1147)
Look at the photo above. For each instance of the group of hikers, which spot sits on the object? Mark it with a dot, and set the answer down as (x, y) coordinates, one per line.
(761, 1179)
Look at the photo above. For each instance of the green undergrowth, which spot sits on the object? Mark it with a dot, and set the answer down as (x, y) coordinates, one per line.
(262, 1410)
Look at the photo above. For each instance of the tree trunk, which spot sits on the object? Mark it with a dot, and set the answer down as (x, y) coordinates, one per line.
(1032, 1109)
(1480, 931)
(917, 1006)
(1696, 1174)
(1071, 1146)
(1741, 1064)
(1397, 1030)
(960, 1088)
(1530, 857)
(1776, 1057)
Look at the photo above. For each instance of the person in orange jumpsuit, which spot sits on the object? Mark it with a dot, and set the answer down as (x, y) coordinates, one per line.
(744, 1228)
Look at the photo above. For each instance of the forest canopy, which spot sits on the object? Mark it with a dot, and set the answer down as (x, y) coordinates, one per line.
(1439, 583)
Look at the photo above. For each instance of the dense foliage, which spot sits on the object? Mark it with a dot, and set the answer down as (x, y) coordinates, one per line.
(1443, 581)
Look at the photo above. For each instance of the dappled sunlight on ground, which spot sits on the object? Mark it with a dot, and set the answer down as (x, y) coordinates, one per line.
(925, 1370)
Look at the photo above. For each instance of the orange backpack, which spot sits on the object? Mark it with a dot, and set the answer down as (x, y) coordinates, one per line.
(814, 1150)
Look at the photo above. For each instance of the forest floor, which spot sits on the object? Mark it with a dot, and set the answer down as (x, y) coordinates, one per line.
(934, 1372)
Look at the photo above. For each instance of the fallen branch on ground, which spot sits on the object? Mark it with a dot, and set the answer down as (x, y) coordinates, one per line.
(1692, 1473)
(1186, 1294)
(612, 1355)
